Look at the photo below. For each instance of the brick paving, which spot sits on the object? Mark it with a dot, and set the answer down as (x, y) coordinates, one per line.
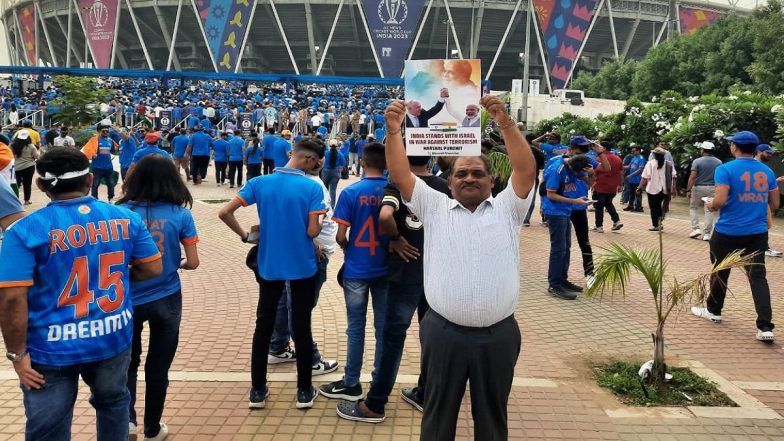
(560, 342)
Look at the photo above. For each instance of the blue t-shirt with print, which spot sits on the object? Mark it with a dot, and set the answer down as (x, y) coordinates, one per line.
(169, 225)
(74, 256)
(553, 150)
(179, 145)
(559, 177)
(103, 160)
(284, 201)
(636, 163)
(127, 151)
(746, 209)
(358, 207)
(340, 160)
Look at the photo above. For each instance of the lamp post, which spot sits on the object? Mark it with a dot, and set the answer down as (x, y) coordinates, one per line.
(86, 10)
(526, 63)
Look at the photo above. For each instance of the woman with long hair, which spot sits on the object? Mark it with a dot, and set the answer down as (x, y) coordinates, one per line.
(334, 163)
(658, 181)
(253, 156)
(156, 192)
(25, 155)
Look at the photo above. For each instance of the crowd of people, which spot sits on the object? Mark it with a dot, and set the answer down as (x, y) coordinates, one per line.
(112, 269)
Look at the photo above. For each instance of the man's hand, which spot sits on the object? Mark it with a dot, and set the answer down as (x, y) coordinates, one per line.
(495, 107)
(319, 253)
(395, 115)
(402, 248)
(780, 180)
(596, 147)
(581, 201)
(27, 375)
(444, 92)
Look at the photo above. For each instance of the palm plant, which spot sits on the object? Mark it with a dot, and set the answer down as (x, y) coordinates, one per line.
(613, 272)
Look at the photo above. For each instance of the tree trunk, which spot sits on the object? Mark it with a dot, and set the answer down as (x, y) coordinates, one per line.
(659, 368)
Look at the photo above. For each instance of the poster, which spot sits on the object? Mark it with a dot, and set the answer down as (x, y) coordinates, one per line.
(100, 19)
(27, 26)
(443, 117)
(392, 24)
(245, 123)
(692, 19)
(166, 120)
(225, 23)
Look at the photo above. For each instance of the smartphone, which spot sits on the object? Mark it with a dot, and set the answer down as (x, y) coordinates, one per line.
(253, 236)
(706, 199)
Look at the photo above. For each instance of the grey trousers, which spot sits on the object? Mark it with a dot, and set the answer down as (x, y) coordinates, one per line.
(697, 193)
(453, 354)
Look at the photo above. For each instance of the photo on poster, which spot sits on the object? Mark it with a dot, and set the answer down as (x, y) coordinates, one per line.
(443, 117)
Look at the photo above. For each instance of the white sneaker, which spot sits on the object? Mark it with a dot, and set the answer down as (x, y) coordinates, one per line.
(133, 432)
(701, 312)
(161, 435)
(598, 229)
(695, 233)
(764, 335)
(706, 237)
(773, 253)
(284, 356)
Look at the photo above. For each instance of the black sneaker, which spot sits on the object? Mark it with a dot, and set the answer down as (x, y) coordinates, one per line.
(350, 411)
(628, 208)
(562, 293)
(411, 396)
(258, 398)
(339, 391)
(572, 287)
(305, 398)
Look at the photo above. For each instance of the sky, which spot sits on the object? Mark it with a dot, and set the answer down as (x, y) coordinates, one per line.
(5, 58)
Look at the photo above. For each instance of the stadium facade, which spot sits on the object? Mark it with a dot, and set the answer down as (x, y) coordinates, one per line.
(345, 37)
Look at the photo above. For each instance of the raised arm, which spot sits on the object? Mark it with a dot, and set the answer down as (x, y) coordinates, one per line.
(397, 163)
(523, 163)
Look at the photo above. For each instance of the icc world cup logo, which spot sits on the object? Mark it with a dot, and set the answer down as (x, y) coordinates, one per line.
(392, 12)
(99, 14)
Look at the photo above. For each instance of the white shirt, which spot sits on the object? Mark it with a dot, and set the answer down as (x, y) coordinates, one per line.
(471, 260)
(414, 119)
(329, 228)
(657, 180)
(64, 141)
(209, 112)
(315, 120)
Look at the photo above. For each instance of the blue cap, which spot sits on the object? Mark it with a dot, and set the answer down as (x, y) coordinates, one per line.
(615, 152)
(763, 148)
(579, 140)
(744, 138)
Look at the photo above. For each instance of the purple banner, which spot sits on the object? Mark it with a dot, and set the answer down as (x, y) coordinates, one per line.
(564, 24)
(392, 24)
(100, 19)
(225, 23)
(693, 19)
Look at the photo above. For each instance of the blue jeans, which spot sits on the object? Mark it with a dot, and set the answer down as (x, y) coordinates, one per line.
(108, 175)
(405, 298)
(163, 317)
(282, 333)
(560, 241)
(634, 199)
(331, 177)
(49, 410)
(356, 292)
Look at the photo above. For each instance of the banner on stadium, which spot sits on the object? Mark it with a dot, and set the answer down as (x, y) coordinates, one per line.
(691, 19)
(100, 19)
(392, 24)
(27, 28)
(225, 23)
(245, 123)
(564, 24)
(165, 120)
(443, 96)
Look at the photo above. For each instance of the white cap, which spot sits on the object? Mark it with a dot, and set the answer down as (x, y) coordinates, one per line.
(23, 134)
(230, 132)
(707, 145)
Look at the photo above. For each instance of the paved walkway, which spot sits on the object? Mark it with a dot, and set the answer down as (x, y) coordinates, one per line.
(553, 398)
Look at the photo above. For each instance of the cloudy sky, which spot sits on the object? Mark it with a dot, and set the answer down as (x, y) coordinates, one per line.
(5, 59)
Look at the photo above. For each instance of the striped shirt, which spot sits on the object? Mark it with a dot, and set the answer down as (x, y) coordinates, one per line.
(472, 260)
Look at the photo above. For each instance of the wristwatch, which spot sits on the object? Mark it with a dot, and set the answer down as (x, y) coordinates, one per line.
(16, 356)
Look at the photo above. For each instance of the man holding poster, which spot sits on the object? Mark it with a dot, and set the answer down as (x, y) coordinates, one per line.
(471, 277)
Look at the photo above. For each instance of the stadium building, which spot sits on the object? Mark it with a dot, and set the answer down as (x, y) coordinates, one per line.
(367, 38)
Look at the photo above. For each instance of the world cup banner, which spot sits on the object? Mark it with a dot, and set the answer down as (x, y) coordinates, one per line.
(245, 123)
(100, 20)
(28, 30)
(392, 24)
(692, 19)
(443, 117)
(165, 120)
(225, 23)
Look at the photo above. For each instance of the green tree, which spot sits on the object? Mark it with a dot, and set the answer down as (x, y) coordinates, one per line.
(78, 104)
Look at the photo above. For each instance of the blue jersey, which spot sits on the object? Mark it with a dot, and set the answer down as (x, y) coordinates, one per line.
(74, 256)
(103, 160)
(127, 150)
(284, 200)
(253, 156)
(358, 207)
(340, 161)
(147, 149)
(637, 163)
(169, 225)
(9, 201)
(553, 150)
(200, 144)
(193, 121)
(179, 145)
(221, 149)
(268, 144)
(559, 177)
(746, 209)
(236, 146)
(281, 151)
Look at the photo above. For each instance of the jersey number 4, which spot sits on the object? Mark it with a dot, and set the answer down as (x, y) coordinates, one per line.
(372, 242)
(79, 281)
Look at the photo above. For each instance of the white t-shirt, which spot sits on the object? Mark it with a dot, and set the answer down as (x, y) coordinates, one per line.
(64, 141)
(329, 228)
(315, 120)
